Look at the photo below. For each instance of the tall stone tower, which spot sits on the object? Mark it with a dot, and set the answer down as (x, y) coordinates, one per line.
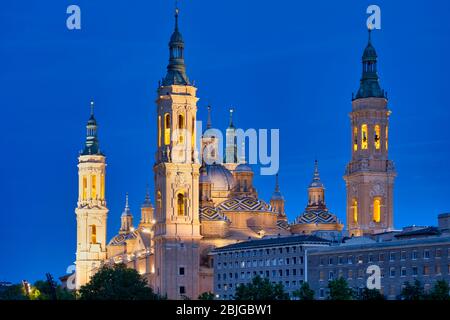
(370, 174)
(91, 211)
(177, 228)
(277, 201)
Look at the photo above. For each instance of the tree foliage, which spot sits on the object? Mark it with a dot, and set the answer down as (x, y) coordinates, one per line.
(261, 289)
(339, 290)
(440, 291)
(206, 296)
(117, 283)
(371, 294)
(413, 291)
(304, 292)
(13, 292)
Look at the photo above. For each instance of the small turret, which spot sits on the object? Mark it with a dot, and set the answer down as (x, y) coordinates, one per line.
(126, 225)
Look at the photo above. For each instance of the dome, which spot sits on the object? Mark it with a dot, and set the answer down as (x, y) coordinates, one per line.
(220, 177)
(277, 196)
(243, 167)
(245, 204)
(369, 53)
(176, 38)
(316, 216)
(92, 121)
(120, 239)
(211, 214)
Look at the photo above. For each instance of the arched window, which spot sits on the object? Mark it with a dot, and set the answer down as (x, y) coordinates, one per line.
(102, 187)
(364, 142)
(93, 234)
(181, 204)
(167, 129)
(181, 128)
(84, 191)
(355, 210)
(159, 131)
(376, 139)
(377, 210)
(386, 138)
(193, 133)
(93, 187)
(355, 138)
(158, 203)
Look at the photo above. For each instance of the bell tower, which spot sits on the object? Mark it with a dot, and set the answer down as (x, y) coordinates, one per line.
(370, 174)
(176, 169)
(91, 211)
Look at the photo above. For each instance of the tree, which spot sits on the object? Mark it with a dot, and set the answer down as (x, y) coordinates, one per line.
(41, 290)
(206, 296)
(13, 292)
(440, 291)
(339, 290)
(117, 283)
(371, 294)
(304, 292)
(413, 291)
(261, 289)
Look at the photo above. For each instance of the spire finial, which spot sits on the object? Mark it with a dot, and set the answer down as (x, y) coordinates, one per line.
(316, 170)
(277, 186)
(370, 35)
(208, 123)
(231, 117)
(177, 12)
(126, 201)
(92, 107)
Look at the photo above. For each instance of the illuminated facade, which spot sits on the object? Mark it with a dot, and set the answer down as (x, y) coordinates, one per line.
(370, 174)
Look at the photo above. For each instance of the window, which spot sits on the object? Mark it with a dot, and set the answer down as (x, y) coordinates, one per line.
(350, 274)
(93, 187)
(437, 269)
(340, 260)
(322, 275)
(167, 129)
(158, 203)
(330, 261)
(364, 142)
(381, 257)
(294, 272)
(386, 138)
(159, 131)
(438, 253)
(321, 292)
(84, 196)
(181, 204)
(377, 143)
(181, 272)
(376, 210)
(287, 272)
(415, 255)
(181, 127)
(426, 270)
(355, 139)
(403, 272)
(392, 256)
(183, 290)
(102, 187)
(330, 276)
(392, 272)
(94, 234)
(350, 259)
(403, 255)
(426, 254)
(361, 273)
(355, 210)
(370, 258)
(415, 271)
(193, 133)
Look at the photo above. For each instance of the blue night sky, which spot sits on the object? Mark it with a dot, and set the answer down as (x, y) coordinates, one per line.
(291, 65)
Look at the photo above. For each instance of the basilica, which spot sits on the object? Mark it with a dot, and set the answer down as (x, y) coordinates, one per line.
(201, 202)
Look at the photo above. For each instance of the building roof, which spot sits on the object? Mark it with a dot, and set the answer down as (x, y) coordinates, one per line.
(381, 245)
(270, 242)
(245, 204)
(428, 231)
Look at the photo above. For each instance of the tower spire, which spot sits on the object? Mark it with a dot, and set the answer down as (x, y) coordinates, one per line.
(176, 69)
(91, 146)
(369, 83)
(208, 124)
(231, 125)
(126, 218)
(277, 186)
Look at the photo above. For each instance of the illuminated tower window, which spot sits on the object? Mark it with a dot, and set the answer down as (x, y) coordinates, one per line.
(193, 133)
(364, 142)
(159, 131)
(102, 186)
(84, 188)
(93, 234)
(386, 138)
(355, 139)
(158, 203)
(355, 211)
(167, 129)
(377, 137)
(181, 204)
(181, 128)
(377, 210)
(94, 187)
